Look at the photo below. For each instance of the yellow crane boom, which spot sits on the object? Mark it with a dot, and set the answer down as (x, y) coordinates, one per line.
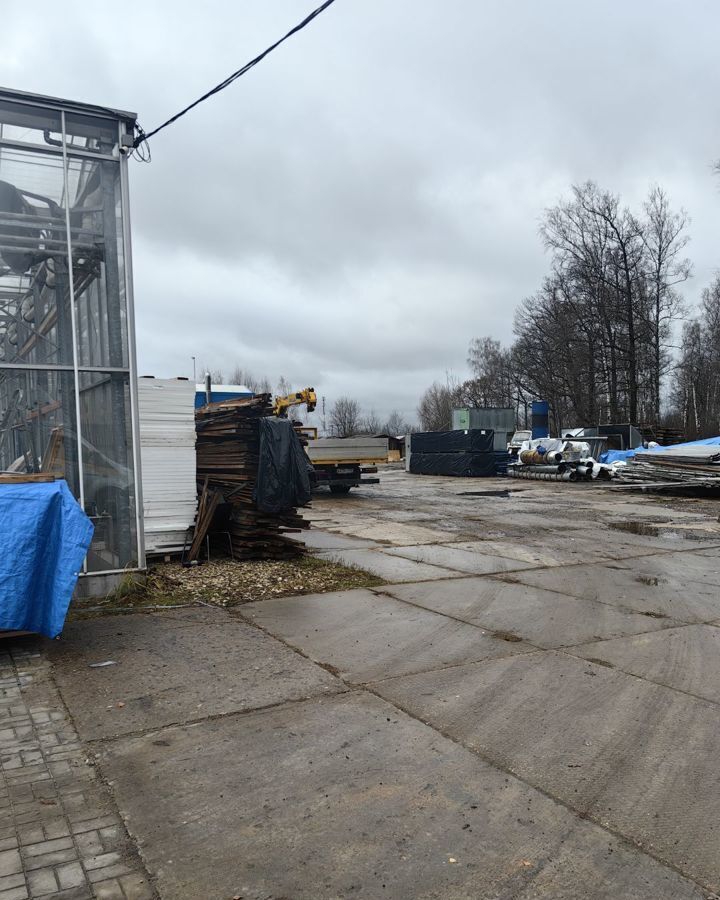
(281, 405)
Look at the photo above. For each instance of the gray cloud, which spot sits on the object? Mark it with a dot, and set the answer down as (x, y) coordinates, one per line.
(367, 200)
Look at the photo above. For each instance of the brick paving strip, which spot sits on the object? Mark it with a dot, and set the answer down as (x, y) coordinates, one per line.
(60, 834)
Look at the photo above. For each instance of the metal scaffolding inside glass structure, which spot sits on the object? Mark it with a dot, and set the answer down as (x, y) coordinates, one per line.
(68, 385)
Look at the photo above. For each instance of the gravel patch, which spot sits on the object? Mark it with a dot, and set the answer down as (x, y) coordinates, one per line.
(225, 583)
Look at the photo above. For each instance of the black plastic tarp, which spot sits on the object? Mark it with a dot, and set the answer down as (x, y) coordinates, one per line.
(468, 465)
(283, 478)
(474, 440)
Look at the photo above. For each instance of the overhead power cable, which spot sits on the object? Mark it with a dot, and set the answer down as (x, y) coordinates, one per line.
(142, 136)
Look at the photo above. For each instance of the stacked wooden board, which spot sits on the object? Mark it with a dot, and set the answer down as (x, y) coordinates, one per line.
(228, 448)
(662, 434)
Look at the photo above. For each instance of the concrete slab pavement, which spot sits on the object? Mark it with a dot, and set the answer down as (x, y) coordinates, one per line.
(347, 797)
(634, 586)
(174, 667)
(544, 618)
(686, 658)
(243, 768)
(533, 552)
(328, 540)
(639, 758)
(460, 560)
(389, 568)
(392, 532)
(365, 636)
(688, 567)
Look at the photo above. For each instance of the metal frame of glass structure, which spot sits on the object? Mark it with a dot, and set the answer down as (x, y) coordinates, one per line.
(68, 375)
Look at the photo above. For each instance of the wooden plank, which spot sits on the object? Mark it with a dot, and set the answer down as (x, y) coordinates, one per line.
(25, 477)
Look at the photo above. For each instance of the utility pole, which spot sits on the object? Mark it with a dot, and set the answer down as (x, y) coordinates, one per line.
(324, 421)
(194, 371)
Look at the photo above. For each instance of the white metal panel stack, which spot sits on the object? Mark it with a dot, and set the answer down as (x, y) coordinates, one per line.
(355, 449)
(167, 445)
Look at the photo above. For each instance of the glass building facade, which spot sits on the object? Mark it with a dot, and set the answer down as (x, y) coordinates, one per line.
(68, 385)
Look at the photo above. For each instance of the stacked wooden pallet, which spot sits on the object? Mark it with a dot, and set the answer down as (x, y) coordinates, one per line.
(680, 467)
(228, 447)
(662, 434)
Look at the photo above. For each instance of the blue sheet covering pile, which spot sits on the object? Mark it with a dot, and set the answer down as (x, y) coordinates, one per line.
(611, 456)
(44, 536)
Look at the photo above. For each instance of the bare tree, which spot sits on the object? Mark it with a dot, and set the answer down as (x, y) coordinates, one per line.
(216, 375)
(494, 381)
(369, 424)
(608, 309)
(396, 424)
(344, 417)
(283, 386)
(664, 242)
(259, 385)
(435, 408)
(696, 381)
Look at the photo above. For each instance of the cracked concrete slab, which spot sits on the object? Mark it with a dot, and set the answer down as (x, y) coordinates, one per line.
(544, 618)
(365, 636)
(460, 560)
(633, 586)
(687, 658)
(389, 568)
(174, 668)
(637, 757)
(370, 803)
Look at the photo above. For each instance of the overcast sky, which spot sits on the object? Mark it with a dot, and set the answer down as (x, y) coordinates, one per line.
(365, 201)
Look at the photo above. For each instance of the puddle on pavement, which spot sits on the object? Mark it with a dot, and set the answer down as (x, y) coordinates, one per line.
(668, 529)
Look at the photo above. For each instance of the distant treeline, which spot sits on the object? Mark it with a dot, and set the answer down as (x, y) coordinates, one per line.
(596, 340)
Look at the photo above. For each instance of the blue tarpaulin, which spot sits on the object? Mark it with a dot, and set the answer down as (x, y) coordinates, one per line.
(611, 456)
(44, 535)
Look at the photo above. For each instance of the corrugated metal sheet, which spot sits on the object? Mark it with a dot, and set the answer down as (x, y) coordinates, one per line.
(167, 446)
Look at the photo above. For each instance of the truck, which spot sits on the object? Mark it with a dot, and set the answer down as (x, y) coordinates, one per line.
(343, 463)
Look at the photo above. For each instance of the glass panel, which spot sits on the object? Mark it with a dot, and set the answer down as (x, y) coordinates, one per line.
(30, 124)
(35, 324)
(108, 469)
(98, 262)
(38, 427)
(37, 423)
